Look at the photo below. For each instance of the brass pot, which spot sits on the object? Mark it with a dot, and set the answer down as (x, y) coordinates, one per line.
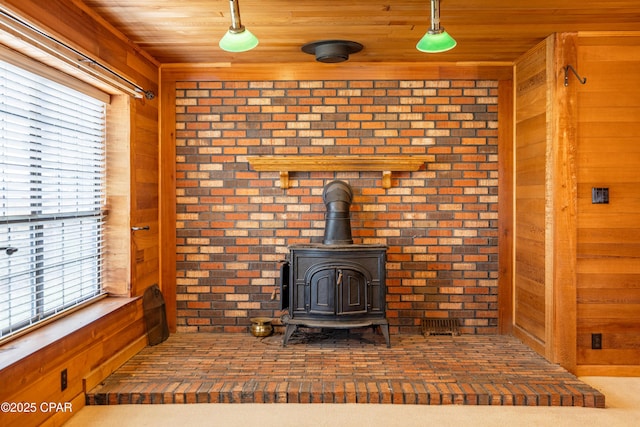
(261, 327)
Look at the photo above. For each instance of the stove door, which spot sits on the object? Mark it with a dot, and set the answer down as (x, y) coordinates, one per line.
(351, 291)
(338, 291)
(322, 292)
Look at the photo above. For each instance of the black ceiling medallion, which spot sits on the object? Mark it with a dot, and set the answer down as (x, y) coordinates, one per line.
(332, 51)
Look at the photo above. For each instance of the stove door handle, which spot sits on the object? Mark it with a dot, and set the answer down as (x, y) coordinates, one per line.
(339, 280)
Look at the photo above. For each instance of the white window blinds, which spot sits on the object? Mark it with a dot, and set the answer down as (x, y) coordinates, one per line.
(52, 164)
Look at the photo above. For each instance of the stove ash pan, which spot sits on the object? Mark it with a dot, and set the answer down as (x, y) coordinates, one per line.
(335, 284)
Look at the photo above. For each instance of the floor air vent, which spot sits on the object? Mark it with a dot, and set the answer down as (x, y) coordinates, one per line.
(440, 327)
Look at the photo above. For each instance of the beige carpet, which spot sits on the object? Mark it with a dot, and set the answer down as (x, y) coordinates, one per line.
(622, 401)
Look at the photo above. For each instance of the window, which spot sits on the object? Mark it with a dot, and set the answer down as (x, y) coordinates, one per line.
(52, 198)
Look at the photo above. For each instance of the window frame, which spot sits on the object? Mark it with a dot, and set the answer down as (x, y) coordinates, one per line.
(116, 268)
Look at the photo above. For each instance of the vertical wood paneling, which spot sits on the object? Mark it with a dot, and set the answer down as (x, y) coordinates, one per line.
(530, 202)
(145, 252)
(608, 265)
(576, 265)
(506, 203)
(117, 241)
(167, 199)
(562, 208)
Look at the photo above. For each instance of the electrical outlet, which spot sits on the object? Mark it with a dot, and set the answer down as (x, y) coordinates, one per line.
(596, 341)
(63, 380)
(600, 195)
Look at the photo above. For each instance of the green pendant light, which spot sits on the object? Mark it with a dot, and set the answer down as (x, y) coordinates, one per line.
(436, 40)
(238, 38)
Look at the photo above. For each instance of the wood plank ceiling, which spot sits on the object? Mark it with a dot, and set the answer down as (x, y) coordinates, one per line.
(187, 31)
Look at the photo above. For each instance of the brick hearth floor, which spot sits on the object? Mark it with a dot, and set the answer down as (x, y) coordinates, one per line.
(343, 367)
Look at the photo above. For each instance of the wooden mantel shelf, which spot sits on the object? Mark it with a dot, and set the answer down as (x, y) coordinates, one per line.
(384, 164)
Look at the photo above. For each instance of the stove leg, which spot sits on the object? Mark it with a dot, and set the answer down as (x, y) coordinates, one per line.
(288, 332)
(385, 331)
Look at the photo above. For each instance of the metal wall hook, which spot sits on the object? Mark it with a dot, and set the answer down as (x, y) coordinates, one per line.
(566, 75)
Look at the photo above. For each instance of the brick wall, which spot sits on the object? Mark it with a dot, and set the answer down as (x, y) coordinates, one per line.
(440, 223)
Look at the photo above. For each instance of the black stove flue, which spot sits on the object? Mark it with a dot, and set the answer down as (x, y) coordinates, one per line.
(337, 197)
(336, 284)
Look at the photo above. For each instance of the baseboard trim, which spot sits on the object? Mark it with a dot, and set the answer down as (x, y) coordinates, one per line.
(96, 376)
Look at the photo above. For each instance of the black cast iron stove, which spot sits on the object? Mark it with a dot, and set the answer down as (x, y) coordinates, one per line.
(336, 284)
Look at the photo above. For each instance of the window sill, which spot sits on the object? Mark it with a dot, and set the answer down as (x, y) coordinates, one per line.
(32, 342)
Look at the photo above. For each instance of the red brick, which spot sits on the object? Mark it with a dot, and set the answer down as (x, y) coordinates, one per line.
(398, 108)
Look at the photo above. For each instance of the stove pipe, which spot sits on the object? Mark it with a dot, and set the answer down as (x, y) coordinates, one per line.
(337, 196)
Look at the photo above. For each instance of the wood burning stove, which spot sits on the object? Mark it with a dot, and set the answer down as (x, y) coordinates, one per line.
(335, 284)
(335, 287)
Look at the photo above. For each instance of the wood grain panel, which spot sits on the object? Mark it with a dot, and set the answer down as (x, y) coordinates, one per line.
(531, 236)
(530, 317)
(531, 192)
(145, 194)
(117, 234)
(604, 249)
(610, 295)
(530, 171)
(609, 235)
(344, 71)
(31, 367)
(80, 27)
(506, 214)
(562, 216)
(608, 219)
(601, 310)
(167, 200)
(613, 360)
(612, 327)
(188, 31)
(599, 176)
(611, 264)
(598, 129)
(616, 114)
(529, 103)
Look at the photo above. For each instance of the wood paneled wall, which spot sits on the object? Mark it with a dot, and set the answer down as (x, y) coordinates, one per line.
(532, 128)
(93, 342)
(576, 263)
(113, 333)
(117, 276)
(608, 264)
(544, 286)
(144, 185)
